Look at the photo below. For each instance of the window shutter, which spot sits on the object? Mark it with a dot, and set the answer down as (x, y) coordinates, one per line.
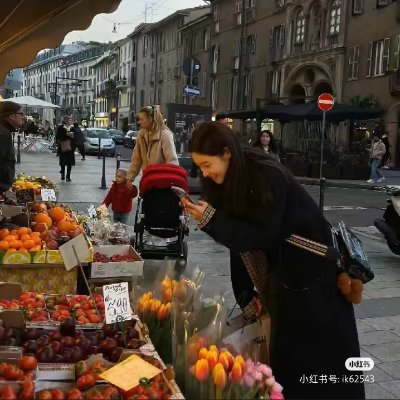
(349, 62)
(356, 61)
(386, 55)
(397, 53)
(271, 38)
(369, 59)
(282, 35)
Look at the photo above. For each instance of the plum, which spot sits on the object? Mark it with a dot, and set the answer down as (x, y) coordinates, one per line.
(67, 327)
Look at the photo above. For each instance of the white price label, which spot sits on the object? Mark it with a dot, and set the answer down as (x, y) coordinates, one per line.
(48, 195)
(116, 302)
(92, 211)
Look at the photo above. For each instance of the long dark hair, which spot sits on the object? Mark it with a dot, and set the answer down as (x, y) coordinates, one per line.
(272, 142)
(247, 184)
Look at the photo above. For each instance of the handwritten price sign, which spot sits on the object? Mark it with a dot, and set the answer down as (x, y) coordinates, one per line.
(116, 301)
(48, 195)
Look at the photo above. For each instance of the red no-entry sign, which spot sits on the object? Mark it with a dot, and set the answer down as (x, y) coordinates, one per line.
(325, 102)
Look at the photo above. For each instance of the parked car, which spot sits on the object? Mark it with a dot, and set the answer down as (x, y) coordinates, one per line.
(117, 135)
(130, 139)
(92, 136)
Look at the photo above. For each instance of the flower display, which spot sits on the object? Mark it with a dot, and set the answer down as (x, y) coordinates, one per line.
(217, 373)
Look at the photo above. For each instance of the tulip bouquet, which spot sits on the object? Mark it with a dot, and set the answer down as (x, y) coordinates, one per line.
(218, 374)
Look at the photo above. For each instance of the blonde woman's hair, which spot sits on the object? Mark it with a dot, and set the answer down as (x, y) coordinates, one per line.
(123, 171)
(154, 112)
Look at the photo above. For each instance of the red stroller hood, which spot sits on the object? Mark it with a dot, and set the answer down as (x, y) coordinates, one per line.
(162, 176)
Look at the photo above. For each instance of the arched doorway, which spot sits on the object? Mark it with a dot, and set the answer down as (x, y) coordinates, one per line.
(297, 95)
(322, 87)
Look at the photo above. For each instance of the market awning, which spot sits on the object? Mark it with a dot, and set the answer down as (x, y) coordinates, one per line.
(29, 101)
(28, 26)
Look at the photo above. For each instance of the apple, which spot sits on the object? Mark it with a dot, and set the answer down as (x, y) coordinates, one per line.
(76, 354)
(55, 335)
(46, 355)
(52, 245)
(115, 354)
(107, 345)
(56, 346)
(43, 341)
(67, 341)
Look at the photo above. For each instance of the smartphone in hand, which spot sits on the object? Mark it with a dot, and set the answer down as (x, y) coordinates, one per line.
(181, 193)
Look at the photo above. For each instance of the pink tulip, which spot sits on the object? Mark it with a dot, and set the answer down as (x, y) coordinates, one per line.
(258, 376)
(265, 370)
(276, 396)
(277, 387)
(248, 380)
(270, 381)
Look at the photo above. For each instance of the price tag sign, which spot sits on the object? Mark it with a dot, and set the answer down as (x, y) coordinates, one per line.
(92, 211)
(25, 196)
(116, 301)
(48, 195)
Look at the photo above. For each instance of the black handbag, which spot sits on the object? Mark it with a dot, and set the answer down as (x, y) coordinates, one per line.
(65, 146)
(347, 251)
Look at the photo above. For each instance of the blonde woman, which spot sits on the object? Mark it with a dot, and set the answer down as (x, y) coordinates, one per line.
(154, 143)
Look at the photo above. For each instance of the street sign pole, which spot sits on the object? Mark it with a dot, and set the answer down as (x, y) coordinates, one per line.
(322, 180)
(325, 103)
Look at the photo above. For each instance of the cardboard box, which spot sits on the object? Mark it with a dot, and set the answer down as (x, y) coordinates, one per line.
(117, 269)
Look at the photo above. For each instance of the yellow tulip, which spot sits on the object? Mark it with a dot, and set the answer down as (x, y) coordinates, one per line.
(155, 304)
(219, 376)
(212, 358)
(239, 359)
(203, 353)
(201, 370)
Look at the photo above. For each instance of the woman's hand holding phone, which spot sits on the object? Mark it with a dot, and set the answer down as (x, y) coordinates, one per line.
(195, 210)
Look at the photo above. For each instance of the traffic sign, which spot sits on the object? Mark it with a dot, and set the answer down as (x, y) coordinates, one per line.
(191, 90)
(191, 66)
(326, 102)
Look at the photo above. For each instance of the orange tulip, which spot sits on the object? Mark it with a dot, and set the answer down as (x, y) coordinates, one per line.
(227, 360)
(167, 294)
(219, 376)
(237, 372)
(193, 352)
(180, 293)
(240, 360)
(212, 358)
(155, 305)
(203, 353)
(162, 313)
(201, 370)
(168, 306)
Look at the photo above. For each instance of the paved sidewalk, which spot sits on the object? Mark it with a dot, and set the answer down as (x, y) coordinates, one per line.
(378, 316)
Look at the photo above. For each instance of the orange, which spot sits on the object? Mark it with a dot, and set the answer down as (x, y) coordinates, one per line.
(23, 231)
(80, 227)
(28, 244)
(35, 248)
(25, 237)
(23, 249)
(57, 213)
(42, 227)
(14, 232)
(11, 250)
(15, 244)
(10, 238)
(64, 226)
(36, 239)
(4, 233)
(4, 245)
(33, 234)
(43, 218)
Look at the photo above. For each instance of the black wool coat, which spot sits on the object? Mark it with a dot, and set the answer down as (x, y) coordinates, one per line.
(67, 158)
(313, 326)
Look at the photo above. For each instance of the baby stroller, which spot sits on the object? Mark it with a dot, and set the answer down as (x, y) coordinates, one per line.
(160, 222)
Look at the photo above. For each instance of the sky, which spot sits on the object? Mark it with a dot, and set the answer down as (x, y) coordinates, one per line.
(129, 14)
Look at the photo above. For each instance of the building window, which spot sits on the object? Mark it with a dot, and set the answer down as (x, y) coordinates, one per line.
(145, 45)
(248, 90)
(358, 7)
(206, 39)
(144, 73)
(251, 44)
(273, 83)
(215, 59)
(216, 18)
(382, 3)
(142, 98)
(233, 92)
(300, 27)
(396, 53)
(203, 85)
(335, 17)
(354, 55)
(214, 94)
(378, 58)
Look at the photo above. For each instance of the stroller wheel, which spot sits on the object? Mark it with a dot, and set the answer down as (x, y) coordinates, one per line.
(180, 263)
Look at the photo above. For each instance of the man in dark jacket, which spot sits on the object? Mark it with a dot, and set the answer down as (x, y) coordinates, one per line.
(79, 140)
(11, 118)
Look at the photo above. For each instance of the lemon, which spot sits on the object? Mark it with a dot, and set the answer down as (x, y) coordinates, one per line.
(54, 257)
(15, 257)
(40, 257)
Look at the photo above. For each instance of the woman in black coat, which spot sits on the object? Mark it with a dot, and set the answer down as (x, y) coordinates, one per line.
(65, 139)
(254, 204)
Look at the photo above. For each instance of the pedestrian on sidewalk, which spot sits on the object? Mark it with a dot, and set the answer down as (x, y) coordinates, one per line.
(120, 197)
(267, 143)
(66, 147)
(378, 150)
(154, 143)
(79, 140)
(11, 118)
(253, 205)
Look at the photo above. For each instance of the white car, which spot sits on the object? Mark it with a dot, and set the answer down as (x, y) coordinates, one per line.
(92, 137)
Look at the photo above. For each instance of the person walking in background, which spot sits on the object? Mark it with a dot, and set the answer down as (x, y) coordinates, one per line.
(11, 118)
(378, 150)
(386, 156)
(66, 148)
(120, 197)
(267, 143)
(79, 140)
(154, 143)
